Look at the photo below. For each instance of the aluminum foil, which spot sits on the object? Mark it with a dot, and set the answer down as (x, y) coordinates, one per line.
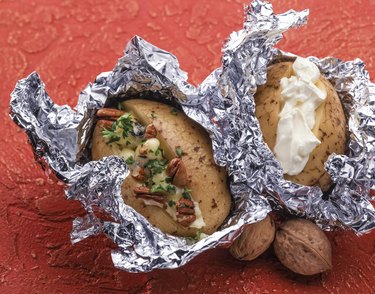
(223, 104)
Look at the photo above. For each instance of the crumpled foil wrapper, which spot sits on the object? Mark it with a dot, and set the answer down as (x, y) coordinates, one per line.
(223, 104)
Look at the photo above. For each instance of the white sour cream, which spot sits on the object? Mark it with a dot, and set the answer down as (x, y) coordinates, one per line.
(199, 221)
(301, 94)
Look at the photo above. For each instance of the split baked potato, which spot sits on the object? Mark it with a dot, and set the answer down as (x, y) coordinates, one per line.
(330, 124)
(178, 168)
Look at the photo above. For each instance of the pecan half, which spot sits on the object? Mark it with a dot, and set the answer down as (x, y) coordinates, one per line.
(146, 190)
(151, 131)
(177, 170)
(109, 113)
(145, 194)
(185, 220)
(139, 173)
(153, 200)
(185, 206)
(172, 166)
(185, 212)
(157, 198)
(141, 190)
(106, 124)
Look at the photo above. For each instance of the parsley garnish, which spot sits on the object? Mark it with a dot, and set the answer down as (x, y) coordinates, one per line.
(171, 203)
(197, 236)
(149, 183)
(129, 160)
(156, 166)
(187, 193)
(110, 136)
(157, 189)
(153, 115)
(174, 111)
(163, 188)
(179, 151)
(158, 151)
(125, 122)
(171, 189)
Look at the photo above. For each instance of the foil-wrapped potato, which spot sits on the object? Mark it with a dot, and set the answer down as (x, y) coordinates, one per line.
(329, 127)
(173, 180)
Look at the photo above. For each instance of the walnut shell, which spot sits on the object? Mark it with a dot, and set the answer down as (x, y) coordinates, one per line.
(255, 239)
(303, 247)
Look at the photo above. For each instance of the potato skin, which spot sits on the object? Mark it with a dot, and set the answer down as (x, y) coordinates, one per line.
(207, 180)
(330, 126)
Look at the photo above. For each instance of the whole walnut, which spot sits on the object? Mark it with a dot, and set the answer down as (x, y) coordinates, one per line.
(254, 240)
(303, 247)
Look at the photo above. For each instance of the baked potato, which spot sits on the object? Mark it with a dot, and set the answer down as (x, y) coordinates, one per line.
(329, 128)
(174, 181)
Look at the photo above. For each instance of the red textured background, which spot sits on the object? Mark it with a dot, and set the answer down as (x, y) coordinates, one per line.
(70, 42)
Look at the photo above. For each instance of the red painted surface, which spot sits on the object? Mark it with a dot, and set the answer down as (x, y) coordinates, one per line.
(69, 43)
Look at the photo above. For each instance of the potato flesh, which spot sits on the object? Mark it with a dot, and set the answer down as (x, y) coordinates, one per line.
(330, 125)
(205, 178)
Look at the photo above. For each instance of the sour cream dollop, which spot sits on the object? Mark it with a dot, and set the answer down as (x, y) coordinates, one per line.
(301, 94)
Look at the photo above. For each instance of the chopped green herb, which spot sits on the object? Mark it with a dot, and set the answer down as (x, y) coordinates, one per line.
(156, 166)
(197, 236)
(125, 123)
(171, 189)
(168, 180)
(179, 151)
(157, 189)
(110, 136)
(129, 160)
(171, 203)
(163, 188)
(153, 115)
(187, 193)
(174, 111)
(149, 183)
(158, 151)
(127, 142)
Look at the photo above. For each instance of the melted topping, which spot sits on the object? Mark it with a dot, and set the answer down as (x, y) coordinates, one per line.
(301, 95)
(141, 150)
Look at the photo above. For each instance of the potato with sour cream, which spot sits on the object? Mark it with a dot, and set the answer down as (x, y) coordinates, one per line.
(302, 120)
(173, 180)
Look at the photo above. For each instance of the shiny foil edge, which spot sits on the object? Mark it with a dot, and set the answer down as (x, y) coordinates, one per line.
(348, 205)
